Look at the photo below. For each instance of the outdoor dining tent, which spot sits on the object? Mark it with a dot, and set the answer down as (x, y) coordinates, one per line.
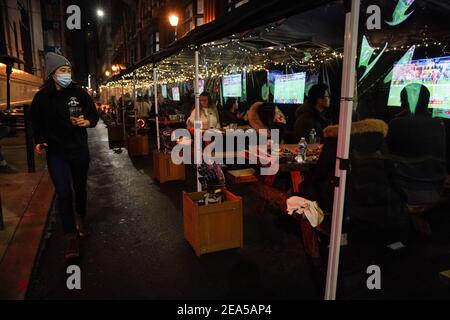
(256, 14)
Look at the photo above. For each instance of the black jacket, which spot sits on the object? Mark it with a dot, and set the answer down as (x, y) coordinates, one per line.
(51, 120)
(227, 117)
(417, 146)
(371, 198)
(307, 118)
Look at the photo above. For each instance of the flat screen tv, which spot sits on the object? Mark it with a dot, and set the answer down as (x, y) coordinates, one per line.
(176, 94)
(164, 91)
(433, 73)
(232, 86)
(441, 113)
(290, 88)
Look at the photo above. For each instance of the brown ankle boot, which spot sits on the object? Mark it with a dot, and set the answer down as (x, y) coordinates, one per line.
(81, 226)
(72, 246)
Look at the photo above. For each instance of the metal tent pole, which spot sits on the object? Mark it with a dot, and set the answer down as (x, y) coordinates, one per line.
(345, 121)
(134, 105)
(155, 90)
(197, 124)
(123, 108)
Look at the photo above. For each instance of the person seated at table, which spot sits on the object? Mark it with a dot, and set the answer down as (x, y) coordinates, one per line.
(142, 107)
(371, 199)
(209, 115)
(163, 107)
(418, 145)
(266, 115)
(229, 113)
(314, 113)
(186, 104)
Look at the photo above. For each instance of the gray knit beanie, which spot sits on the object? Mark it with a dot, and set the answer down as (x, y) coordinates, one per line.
(53, 61)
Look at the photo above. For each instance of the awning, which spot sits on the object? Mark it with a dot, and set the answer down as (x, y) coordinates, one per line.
(249, 16)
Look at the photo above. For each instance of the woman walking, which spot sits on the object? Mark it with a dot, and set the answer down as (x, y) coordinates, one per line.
(60, 113)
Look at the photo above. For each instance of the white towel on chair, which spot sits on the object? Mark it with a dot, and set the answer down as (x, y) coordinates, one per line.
(309, 208)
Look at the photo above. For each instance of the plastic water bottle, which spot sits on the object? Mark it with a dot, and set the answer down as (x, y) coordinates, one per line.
(302, 145)
(312, 136)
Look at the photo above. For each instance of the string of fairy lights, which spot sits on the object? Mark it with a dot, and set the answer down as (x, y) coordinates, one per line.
(224, 58)
(219, 59)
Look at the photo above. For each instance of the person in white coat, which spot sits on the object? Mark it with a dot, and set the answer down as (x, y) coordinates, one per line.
(208, 114)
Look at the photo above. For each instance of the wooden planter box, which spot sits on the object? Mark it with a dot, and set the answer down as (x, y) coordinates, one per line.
(165, 170)
(138, 145)
(213, 227)
(242, 176)
(115, 133)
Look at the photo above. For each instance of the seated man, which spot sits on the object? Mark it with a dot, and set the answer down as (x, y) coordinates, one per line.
(314, 113)
(418, 148)
(229, 113)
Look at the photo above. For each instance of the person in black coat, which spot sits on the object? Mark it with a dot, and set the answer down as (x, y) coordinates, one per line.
(60, 113)
(229, 113)
(314, 113)
(417, 143)
(371, 200)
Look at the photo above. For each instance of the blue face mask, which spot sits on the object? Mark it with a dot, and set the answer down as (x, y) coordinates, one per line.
(64, 79)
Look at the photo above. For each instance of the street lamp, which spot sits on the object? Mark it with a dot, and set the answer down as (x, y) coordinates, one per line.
(107, 73)
(173, 20)
(100, 13)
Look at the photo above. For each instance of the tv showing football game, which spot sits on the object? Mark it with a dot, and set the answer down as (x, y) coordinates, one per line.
(164, 91)
(432, 73)
(290, 88)
(176, 94)
(232, 86)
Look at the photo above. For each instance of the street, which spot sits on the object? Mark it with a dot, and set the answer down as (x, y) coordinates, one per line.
(137, 249)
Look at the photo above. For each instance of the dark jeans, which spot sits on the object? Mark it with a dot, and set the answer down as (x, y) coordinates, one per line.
(69, 170)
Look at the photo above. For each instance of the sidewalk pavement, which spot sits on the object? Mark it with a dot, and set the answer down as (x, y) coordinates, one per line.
(26, 201)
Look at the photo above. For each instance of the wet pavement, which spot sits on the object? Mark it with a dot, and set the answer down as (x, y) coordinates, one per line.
(26, 199)
(137, 249)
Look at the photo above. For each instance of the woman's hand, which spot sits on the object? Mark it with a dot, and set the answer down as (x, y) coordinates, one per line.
(39, 147)
(80, 122)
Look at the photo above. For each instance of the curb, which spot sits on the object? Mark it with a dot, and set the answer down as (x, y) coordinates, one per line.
(18, 261)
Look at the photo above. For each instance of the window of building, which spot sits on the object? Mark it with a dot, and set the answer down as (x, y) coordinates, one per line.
(188, 23)
(25, 36)
(200, 13)
(156, 41)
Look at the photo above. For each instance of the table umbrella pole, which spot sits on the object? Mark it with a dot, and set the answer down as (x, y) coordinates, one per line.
(155, 91)
(345, 122)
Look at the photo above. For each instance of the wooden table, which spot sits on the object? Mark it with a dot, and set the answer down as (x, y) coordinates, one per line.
(293, 167)
(169, 122)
